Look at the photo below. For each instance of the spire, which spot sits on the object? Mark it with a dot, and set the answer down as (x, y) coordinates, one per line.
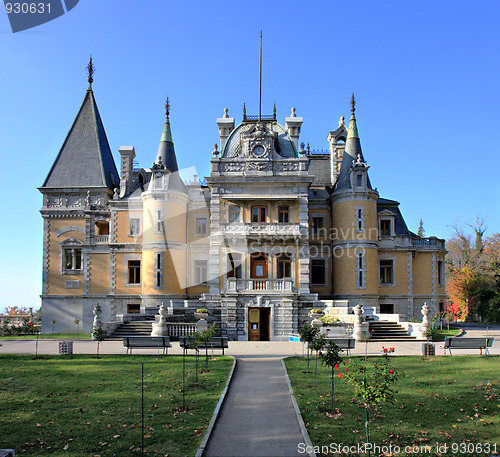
(260, 74)
(353, 129)
(166, 152)
(352, 152)
(90, 70)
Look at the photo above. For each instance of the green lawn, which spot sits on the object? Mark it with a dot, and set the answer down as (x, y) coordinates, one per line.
(446, 399)
(441, 334)
(80, 406)
(49, 336)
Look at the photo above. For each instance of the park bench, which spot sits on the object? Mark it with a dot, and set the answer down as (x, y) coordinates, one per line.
(218, 342)
(344, 343)
(468, 343)
(152, 342)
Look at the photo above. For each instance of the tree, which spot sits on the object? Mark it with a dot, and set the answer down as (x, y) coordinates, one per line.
(317, 344)
(18, 311)
(307, 334)
(421, 230)
(330, 356)
(99, 335)
(473, 273)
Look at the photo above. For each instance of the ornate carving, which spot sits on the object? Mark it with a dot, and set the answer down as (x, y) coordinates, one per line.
(233, 167)
(259, 166)
(54, 201)
(286, 166)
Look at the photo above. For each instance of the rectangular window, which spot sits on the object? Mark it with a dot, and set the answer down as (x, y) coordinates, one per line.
(283, 214)
(318, 226)
(201, 225)
(360, 271)
(134, 271)
(234, 265)
(234, 214)
(385, 227)
(72, 259)
(284, 267)
(158, 270)
(200, 271)
(259, 214)
(440, 272)
(359, 180)
(360, 218)
(386, 270)
(134, 227)
(160, 224)
(318, 272)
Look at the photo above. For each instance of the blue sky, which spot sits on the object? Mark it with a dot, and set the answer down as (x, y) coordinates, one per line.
(425, 75)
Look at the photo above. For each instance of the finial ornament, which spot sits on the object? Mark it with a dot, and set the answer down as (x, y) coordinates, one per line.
(167, 107)
(225, 113)
(215, 152)
(244, 112)
(353, 104)
(274, 111)
(293, 112)
(90, 70)
(341, 122)
(308, 148)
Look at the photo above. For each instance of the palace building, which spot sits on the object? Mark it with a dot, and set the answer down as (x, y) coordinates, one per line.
(274, 231)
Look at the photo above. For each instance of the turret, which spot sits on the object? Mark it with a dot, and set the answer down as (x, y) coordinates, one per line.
(165, 204)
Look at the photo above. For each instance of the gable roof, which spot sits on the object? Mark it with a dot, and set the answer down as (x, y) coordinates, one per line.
(85, 158)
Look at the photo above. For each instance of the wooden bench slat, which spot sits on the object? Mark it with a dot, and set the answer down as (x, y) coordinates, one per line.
(468, 343)
(151, 342)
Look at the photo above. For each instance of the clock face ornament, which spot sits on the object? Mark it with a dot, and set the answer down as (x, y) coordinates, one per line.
(258, 151)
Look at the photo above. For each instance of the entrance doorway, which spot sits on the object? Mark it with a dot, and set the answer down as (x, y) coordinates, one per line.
(259, 324)
(258, 271)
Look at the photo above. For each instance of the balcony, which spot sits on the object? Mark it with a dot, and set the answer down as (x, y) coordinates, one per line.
(260, 229)
(102, 238)
(235, 285)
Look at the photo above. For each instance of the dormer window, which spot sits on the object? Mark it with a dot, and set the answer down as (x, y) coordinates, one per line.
(359, 180)
(386, 224)
(385, 227)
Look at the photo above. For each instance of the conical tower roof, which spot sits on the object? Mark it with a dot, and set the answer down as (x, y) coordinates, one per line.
(352, 152)
(166, 159)
(166, 150)
(85, 159)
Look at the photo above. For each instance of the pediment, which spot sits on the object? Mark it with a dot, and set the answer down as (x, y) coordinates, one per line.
(72, 242)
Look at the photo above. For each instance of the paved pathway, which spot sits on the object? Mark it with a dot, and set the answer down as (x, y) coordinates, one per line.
(257, 417)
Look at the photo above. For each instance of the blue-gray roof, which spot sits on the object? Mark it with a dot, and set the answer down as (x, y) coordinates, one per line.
(400, 227)
(85, 158)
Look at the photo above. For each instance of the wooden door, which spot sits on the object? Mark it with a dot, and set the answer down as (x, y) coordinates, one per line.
(258, 271)
(253, 324)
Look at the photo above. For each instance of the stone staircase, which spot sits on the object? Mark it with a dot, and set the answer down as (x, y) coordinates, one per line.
(178, 324)
(133, 328)
(388, 331)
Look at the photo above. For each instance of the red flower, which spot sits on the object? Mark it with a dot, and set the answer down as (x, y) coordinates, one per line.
(340, 375)
(392, 349)
(336, 366)
(31, 324)
(391, 371)
(345, 368)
